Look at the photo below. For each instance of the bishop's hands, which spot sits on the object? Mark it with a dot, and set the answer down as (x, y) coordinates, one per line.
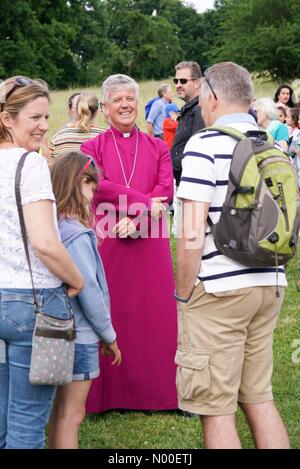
(125, 228)
(157, 207)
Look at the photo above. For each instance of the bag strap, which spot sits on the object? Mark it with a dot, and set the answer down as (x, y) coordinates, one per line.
(23, 231)
(238, 135)
(21, 218)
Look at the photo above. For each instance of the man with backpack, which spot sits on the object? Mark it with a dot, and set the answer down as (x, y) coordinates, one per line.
(229, 299)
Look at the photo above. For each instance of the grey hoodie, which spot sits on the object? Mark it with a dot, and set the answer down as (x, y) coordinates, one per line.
(92, 306)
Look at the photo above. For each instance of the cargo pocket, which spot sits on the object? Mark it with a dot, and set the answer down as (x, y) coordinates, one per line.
(193, 373)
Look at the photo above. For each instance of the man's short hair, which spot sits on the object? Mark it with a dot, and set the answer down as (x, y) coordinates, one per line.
(117, 82)
(194, 67)
(231, 81)
(163, 89)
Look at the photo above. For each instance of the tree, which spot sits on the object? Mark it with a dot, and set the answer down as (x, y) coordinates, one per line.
(149, 44)
(261, 35)
(34, 38)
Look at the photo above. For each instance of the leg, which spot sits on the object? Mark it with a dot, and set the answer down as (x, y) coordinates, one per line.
(266, 425)
(220, 432)
(210, 354)
(4, 380)
(67, 415)
(29, 406)
(255, 395)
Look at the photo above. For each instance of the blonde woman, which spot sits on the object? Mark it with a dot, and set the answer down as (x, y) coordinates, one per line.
(70, 137)
(25, 408)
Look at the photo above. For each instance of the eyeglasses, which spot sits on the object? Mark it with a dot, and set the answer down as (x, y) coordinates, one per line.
(209, 84)
(182, 81)
(20, 82)
(87, 165)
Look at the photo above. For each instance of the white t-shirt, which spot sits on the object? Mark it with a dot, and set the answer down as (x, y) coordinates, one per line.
(35, 185)
(205, 171)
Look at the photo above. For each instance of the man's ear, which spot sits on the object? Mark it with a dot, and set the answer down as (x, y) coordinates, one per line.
(197, 84)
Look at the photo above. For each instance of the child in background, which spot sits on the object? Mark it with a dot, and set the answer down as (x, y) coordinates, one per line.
(281, 114)
(294, 152)
(292, 118)
(170, 123)
(74, 180)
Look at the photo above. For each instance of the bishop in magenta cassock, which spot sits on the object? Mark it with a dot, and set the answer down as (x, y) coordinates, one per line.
(136, 257)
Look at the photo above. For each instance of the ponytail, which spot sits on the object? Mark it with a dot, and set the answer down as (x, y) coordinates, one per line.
(87, 106)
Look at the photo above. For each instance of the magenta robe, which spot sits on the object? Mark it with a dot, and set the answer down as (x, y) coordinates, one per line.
(140, 280)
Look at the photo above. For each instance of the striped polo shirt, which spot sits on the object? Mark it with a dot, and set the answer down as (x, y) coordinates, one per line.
(205, 171)
(70, 139)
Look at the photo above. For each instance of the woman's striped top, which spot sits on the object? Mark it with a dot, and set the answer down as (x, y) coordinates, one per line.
(70, 138)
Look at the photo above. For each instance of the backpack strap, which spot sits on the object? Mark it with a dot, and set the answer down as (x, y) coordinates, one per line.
(238, 135)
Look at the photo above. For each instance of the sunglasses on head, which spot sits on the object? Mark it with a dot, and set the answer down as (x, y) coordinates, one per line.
(209, 84)
(20, 82)
(182, 81)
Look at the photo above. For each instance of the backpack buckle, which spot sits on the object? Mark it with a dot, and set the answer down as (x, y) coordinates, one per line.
(245, 189)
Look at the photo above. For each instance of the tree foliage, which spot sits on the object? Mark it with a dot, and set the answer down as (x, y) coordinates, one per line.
(262, 35)
(80, 42)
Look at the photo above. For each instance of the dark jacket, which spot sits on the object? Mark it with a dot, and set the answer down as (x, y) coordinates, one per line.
(190, 122)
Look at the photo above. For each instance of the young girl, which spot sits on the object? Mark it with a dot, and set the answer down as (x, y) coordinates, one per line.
(74, 179)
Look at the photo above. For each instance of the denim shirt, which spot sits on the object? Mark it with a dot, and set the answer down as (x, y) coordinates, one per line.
(92, 306)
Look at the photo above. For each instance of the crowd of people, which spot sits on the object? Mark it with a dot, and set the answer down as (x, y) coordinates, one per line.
(96, 222)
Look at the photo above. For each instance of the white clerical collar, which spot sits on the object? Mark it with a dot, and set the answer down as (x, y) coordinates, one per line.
(126, 134)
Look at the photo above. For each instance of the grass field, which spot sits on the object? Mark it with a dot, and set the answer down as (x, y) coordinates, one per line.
(170, 430)
(58, 109)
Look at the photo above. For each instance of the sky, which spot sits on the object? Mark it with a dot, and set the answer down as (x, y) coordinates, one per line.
(201, 5)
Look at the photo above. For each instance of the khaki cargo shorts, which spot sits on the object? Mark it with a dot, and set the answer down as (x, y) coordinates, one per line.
(224, 353)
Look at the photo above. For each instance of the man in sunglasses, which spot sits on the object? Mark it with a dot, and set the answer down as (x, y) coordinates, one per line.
(227, 311)
(187, 81)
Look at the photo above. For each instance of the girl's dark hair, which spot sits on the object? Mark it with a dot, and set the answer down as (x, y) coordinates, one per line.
(67, 174)
(294, 113)
(290, 102)
(282, 109)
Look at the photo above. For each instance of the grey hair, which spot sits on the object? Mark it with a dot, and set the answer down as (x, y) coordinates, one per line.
(115, 82)
(268, 107)
(230, 81)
